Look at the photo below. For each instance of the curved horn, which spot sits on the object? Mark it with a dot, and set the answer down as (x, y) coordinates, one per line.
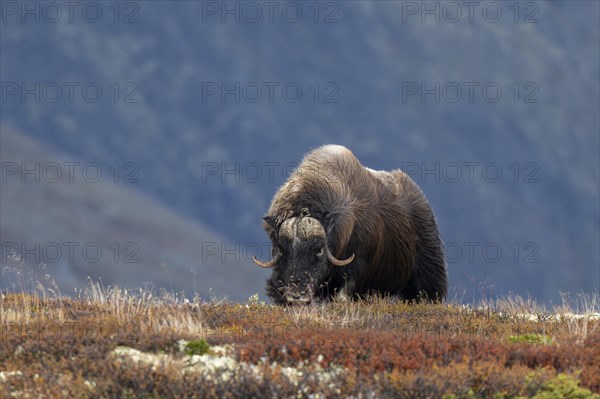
(268, 264)
(335, 261)
(311, 227)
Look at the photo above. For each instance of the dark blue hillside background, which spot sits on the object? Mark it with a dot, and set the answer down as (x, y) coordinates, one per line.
(206, 109)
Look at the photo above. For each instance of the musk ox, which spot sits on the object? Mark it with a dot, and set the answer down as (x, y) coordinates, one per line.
(339, 229)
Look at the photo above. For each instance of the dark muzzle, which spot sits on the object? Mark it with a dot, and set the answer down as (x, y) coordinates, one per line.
(297, 295)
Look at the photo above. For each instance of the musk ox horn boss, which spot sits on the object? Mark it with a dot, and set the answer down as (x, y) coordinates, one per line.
(339, 229)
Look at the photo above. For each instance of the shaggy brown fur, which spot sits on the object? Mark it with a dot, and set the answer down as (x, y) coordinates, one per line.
(383, 218)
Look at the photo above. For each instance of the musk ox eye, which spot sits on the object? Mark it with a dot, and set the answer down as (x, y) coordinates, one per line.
(321, 252)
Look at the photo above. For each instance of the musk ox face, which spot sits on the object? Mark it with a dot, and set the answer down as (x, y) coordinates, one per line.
(301, 261)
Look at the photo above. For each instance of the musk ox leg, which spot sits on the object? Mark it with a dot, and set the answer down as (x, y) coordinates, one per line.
(342, 296)
(347, 283)
(347, 292)
(428, 281)
(413, 291)
(274, 292)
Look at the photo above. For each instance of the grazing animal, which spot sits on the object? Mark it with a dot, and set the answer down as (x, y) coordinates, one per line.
(339, 229)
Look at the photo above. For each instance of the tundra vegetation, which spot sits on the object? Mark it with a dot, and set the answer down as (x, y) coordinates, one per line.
(111, 342)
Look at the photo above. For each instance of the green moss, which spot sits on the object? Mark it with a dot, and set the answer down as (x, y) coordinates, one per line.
(564, 387)
(197, 347)
(560, 387)
(531, 338)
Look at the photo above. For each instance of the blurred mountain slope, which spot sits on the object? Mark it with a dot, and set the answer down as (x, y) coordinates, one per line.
(106, 231)
(173, 133)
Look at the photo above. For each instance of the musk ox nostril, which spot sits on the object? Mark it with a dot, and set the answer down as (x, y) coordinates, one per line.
(295, 296)
(297, 300)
